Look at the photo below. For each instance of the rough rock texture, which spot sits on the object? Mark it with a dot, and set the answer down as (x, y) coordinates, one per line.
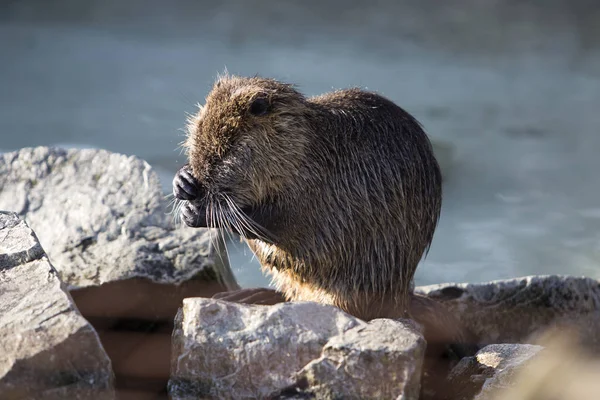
(562, 371)
(495, 367)
(101, 217)
(47, 349)
(518, 310)
(228, 350)
(382, 360)
(504, 362)
(233, 351)
(104, 221)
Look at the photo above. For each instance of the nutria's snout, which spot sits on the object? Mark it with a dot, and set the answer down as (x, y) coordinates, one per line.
(197, 208)
(196, 214)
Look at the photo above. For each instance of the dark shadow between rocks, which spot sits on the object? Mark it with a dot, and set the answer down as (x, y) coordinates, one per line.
(134, 320)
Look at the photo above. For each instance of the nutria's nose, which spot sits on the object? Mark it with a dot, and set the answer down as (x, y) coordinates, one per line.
(185, 186)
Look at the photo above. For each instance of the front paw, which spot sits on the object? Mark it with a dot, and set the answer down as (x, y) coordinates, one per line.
(194, 215)
(185, 186)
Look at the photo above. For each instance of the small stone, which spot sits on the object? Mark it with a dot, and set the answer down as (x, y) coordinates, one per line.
(380, 360)
(563, 370)
(493, 368)
(47, 349)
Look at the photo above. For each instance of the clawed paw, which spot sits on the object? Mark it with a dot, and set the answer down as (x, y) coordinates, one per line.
(185, 186)
(193, 215)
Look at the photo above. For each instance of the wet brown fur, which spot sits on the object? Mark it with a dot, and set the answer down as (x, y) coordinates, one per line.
(346, 184)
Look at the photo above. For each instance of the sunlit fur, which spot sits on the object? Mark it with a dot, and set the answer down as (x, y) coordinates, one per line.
(347, 185)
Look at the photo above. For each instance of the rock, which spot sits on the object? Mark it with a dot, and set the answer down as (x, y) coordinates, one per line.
(232, 351)
(563, 370)
(493, 368)
(47, 349)
(101, 217)
(503, 362)
(291, 350)
(103, 220)
(382, 360)
(519, 310)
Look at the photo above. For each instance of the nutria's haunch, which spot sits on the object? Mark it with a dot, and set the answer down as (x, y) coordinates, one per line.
(338, 195)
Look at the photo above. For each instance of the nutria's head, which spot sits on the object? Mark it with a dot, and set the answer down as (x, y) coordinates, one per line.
(247, 139)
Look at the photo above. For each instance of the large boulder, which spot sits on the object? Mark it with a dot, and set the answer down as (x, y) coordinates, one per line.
(104, 222)
(102, 217)
(519, 310)
(47, 349)
(229, 351)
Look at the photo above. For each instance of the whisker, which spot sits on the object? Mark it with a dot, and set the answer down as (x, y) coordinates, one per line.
(236, 219)
(172, 200)
(253, 255)
(229, 237)
(254, 227)
(225, 228)
(176, 213)
(226, 218)
(175, 208)
(213, 229)
(225, 275)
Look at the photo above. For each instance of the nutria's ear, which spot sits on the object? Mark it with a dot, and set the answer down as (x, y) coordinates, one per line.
(260, 106)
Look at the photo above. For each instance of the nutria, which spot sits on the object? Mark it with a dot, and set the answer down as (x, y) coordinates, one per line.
(338, 195)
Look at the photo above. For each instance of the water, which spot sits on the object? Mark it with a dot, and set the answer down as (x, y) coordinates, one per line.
(513, 88)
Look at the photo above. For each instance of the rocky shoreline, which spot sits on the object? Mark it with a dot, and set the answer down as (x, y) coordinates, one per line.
(103, 296)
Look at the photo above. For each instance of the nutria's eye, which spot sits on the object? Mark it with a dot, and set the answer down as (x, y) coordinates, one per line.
(260, 106)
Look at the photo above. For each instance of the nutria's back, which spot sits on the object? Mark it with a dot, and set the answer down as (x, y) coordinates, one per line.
(339, 195)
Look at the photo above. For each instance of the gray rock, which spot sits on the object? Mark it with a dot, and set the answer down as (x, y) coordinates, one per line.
(102, 217)
(19, 245)
(232, 351)
(493, 368)
(563, 370)
(47, 349)
(503, 362)
(519, 310)
(382, 360)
